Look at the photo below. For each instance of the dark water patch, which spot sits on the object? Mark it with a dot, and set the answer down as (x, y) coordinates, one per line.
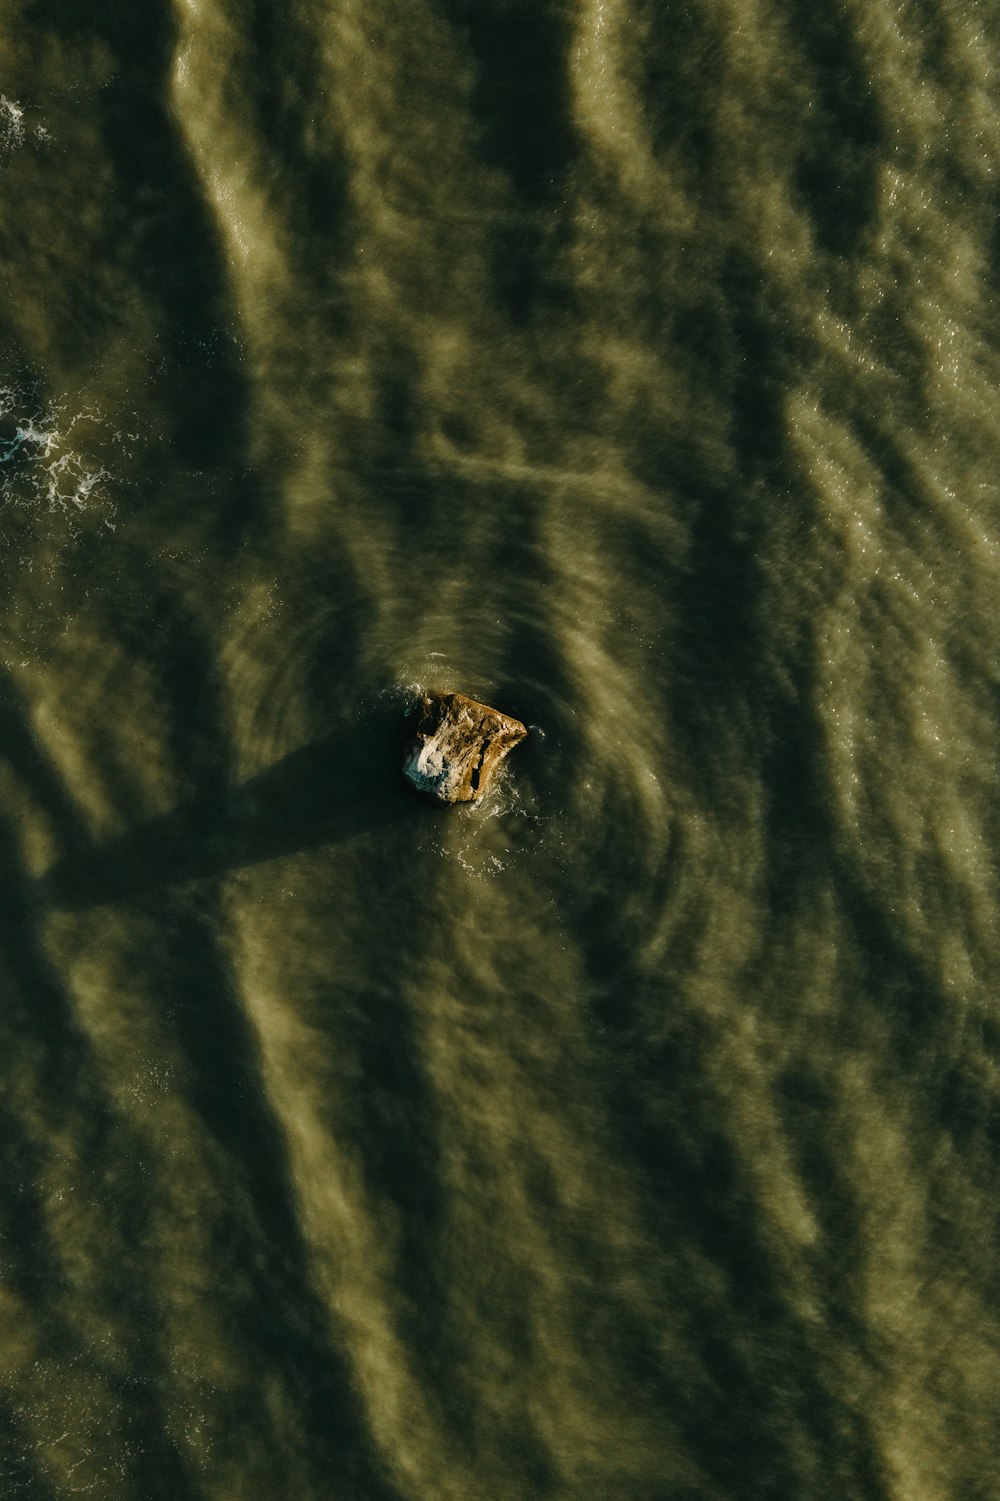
(844, 135)
(39, 1003)
(19, 1474)
(38, 773)
(701, 332)
(767, 358)
(682, 62)
(892, 977)
(697, 1181)
(42, 1271)
(429, 508)
(767, 1415)
(149, 1453)
(795, 782)
(991, 257)
(390, 436)
(334, 653)
(535, 679)
(159, 629)
(521, 93)
(273, 1300)
(201, 1001)
(30, 1261)
(913, 512)
(521, 122)
(539, 687)
(287, 1335)
(138, 1445)
(966, 1112)
(526, 270)
(934, 36)
(280, 80)
(396, 1126)
(814, 1130)
(397, 1133)
(723, 600)
(721, 594)
(644, 266)
(718, 641)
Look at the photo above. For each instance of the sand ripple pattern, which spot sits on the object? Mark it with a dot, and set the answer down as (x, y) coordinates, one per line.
(632, 1136)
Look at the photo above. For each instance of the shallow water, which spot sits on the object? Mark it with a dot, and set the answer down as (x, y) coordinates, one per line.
(633, 1135)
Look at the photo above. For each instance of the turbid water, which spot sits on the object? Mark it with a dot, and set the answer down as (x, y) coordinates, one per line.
(628, 365)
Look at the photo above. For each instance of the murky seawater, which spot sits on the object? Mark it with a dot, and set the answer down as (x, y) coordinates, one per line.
(633, 1135)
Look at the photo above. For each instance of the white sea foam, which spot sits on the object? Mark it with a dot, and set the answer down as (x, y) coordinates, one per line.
(43, 461)
(12, 130)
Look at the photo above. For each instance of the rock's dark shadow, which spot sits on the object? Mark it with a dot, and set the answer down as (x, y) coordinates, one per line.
(337, 787)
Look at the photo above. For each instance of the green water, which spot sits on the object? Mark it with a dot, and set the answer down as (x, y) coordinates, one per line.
(632, 366)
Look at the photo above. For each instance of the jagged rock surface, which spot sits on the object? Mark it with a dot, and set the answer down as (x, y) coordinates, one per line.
(457, 745)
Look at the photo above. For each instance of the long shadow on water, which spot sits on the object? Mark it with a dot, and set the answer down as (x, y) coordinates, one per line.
(333, 789)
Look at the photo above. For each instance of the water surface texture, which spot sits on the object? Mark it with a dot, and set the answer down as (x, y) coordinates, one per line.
(629, 365)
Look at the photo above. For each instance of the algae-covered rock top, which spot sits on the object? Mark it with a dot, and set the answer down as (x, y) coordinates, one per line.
(457, 745)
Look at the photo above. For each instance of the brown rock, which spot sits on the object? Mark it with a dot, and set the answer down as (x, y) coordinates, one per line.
(457, 745)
